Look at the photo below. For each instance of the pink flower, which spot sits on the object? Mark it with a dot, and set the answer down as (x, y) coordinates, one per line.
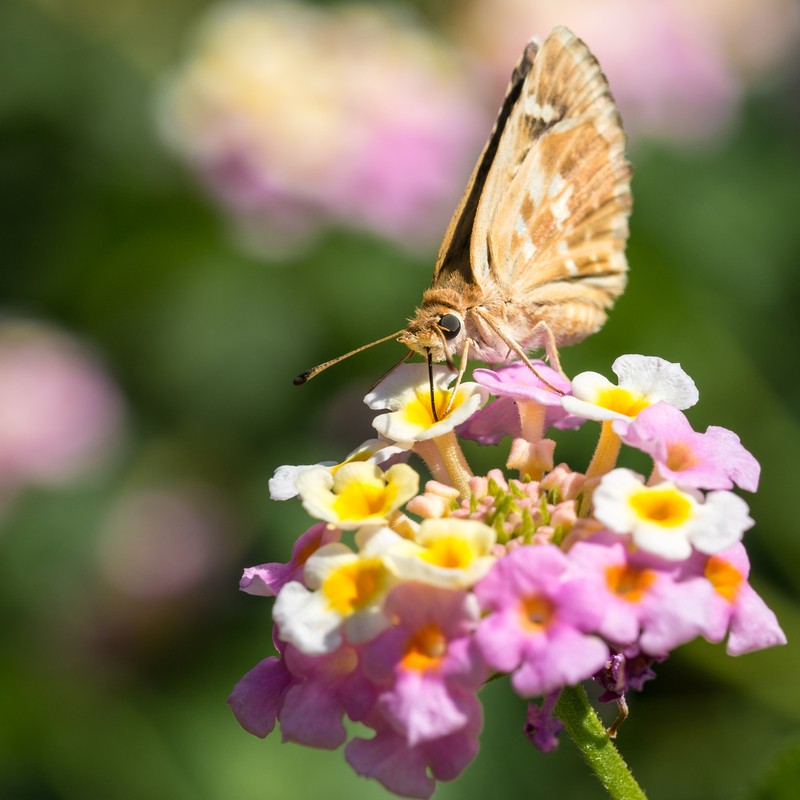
(514, 385)
(645, 600)
(539, 619)
(165, 543)
(627, 669)
(60, 414)
(518, 381)
(735, 607)
(541, 725)
(326, 688)
(268, 579)
(257, 697)
(427, 718)
(715, 459)
(412, 771)
(427, 662)
(308, 695)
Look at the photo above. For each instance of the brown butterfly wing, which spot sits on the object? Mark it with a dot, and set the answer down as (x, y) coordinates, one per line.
(453, 264)
(551, 225)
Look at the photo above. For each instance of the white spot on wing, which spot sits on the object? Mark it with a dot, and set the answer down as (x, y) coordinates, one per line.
(522, 231)
(561, 191)
(546, 113)
(528, 249)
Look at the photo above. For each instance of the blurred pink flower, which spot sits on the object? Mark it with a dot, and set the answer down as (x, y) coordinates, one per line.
(297, 117)
(59, 411)
(163, 543)
(676, 68)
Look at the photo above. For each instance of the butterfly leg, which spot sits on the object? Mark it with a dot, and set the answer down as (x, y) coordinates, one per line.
(462, 368)
(550, 346)
(515, 346)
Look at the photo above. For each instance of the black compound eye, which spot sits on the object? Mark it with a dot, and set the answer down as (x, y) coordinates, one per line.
(450, 325)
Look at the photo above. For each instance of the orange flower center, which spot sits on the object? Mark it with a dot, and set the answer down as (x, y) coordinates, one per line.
(680, 457)
(724, 577)
(426, 648)
(537, 613)
(629, 583)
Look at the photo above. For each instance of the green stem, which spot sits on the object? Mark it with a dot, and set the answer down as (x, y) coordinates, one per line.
(587, 732)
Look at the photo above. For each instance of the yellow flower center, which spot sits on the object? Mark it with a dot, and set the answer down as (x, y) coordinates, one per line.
(724, 577)
(680, 457)
(362, 500)
(354, 586)
(615, 398)
(449, 552)
(629, 583)
(666, 507)
(418, 411)
(425, 649)
(536, 612)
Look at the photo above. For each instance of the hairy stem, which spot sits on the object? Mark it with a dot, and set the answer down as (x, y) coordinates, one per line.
(590, 737)
(453, 457)
(603, 461)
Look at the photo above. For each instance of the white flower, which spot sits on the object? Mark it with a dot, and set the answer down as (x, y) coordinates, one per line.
(356, 493)
(283, 483)
(667, 521)
(643, 381)
(406, 394)
(342, 598)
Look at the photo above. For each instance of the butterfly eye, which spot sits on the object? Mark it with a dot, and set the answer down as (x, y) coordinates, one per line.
(450, 324)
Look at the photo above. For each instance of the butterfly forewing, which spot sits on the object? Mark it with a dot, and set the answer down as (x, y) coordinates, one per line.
(453, 260)
(551, 225)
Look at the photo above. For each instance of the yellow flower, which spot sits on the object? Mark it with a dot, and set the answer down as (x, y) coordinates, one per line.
(357, 493)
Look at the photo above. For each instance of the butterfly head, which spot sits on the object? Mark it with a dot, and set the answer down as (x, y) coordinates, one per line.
(436, 329)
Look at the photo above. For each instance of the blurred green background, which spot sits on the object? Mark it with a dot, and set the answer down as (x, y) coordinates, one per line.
(122, 627)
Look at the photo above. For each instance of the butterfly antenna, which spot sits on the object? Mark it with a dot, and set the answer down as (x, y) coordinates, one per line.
(303, 377)
(430, 382)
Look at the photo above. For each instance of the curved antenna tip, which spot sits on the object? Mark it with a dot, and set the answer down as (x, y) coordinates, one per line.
(301, 378)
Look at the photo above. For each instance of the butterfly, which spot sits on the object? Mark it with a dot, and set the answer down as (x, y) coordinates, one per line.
(534, 255)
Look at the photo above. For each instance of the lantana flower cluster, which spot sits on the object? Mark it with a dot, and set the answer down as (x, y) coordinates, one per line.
(402, 600)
